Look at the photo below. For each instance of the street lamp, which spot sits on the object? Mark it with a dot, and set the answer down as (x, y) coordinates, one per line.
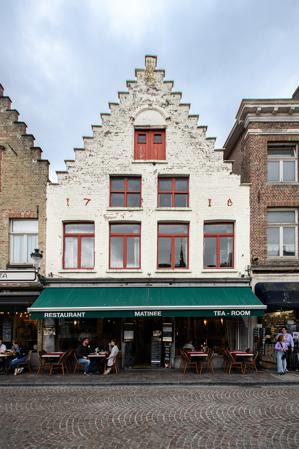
(36, 256)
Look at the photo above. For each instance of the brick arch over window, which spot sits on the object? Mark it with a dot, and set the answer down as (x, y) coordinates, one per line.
(150, 117)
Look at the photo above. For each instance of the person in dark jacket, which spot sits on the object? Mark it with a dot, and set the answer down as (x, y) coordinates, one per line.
(82, 355)
(20, 358)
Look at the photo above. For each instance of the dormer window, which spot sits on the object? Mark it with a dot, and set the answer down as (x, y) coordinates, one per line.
(150, 144)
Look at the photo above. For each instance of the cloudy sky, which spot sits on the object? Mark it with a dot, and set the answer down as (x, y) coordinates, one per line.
(62, 61)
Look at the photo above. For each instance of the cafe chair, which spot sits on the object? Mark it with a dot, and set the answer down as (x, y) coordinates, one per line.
(68, 361)
(43, 363)
(207, 363)
(78, 365)
(251, 364)
(233, 363)
(116, 363)
(187, 362)
(58, 365)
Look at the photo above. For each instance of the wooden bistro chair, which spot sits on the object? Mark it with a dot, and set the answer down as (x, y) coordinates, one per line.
(58, 365)
(116, 363)
(78, 365)
(207, 363)
(187, 362)
(251, 364)
(233, 363)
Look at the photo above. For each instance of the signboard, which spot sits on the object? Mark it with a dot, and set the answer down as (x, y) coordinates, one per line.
(219, 313)
(17, 276)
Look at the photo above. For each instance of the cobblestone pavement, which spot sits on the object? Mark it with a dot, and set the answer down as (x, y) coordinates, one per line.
(149, 417)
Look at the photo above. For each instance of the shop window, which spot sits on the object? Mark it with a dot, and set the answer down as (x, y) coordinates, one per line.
(125, 245)
(78, 242)
(218, 245)
(173, 192)
(23, 240)
(149, 145)
(282, 233)
(282, 163)
(173, 245)
(125, 191)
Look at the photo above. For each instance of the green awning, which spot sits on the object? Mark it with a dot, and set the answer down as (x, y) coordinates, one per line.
(109, 302)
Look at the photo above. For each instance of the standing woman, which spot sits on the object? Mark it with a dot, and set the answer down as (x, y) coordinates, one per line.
(281, 349)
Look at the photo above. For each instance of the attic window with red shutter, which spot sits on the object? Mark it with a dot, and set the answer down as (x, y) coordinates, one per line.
(150, 145)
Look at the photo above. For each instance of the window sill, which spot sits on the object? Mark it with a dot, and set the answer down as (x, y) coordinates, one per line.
(124, 270)
(77, 270)
(282, 183)
(124, 208)
(19, 266)
(281, 258)
(154, 161)
(219, 270)
(185, 209)
(174, 270)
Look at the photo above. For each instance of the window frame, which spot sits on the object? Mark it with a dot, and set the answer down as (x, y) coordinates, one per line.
(125, 236)
(149, 145)
(280, 226)
(80, 236)
(173, 191)
(173, 237)
(281, 160)
(218, 243)
(125, 192)
(24, 234)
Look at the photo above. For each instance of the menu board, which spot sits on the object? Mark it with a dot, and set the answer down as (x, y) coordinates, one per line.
(156, 351)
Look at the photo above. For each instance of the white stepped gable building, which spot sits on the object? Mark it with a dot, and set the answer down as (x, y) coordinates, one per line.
(144, 229)
(150, 169)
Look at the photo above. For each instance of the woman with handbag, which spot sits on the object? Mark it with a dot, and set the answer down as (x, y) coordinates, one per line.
(281, 349)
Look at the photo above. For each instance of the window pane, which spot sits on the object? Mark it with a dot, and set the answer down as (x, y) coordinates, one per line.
(180, 256)
(165, 185)
(133, 252)
(157, 138)
(79, 228)
(125, 228)
(117, 184)
(71, 252)
(282, 151)
(281, 216)
(209, 252)
(134, 184)
(133, 200)
(24, 226)
(226, 252)
(180, 200)
(289, 171)
(32, 243)
(165, 200)
(164, 252)
(273, 241)
(225, 228)
(173, 229)
(117, 199)
(289, 242)
(87, 244)
(116, 252)
(273, 171)
(181, 185)
(18, 249)
(141, 138)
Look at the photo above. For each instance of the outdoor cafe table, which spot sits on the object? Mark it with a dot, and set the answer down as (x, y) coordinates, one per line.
(6, 356)
(197, 354)
(97, 355)
(241, 354)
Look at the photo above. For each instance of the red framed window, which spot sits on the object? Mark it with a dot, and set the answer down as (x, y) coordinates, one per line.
(125, 191)
(173, 192)
(125, 240)
(78, 245)
(149, 144)
(218, 245)
(173, 245)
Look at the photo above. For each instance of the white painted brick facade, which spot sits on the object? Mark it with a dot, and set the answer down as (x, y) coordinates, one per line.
(148, 102)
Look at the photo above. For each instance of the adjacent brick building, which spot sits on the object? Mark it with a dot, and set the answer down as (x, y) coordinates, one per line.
(264, 145)
(23, 182)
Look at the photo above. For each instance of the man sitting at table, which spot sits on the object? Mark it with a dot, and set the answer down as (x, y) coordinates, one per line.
(82, 355)
(20, 357)
(188, 346)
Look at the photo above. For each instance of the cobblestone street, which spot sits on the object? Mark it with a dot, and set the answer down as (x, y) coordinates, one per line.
(150, 417)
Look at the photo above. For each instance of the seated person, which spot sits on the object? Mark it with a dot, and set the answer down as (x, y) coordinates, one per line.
(188, 346)
(82, 355)
(2, 347)
(112, 356)
(14, 347)
(20, 358)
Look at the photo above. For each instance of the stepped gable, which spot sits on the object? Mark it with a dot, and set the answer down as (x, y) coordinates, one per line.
(114, 137)
(13, 133)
